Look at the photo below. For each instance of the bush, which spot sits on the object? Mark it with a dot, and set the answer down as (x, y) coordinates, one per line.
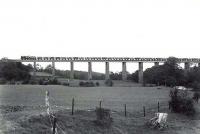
(196, 96)
(195, 85)
(41, 82)
(3, 81)
(171, 81)
(181, 103)
(53, 82)
(65, 84)
(86, 84)
(109, 83)
(81, 83)
(25, 82)
(33, 82)
(97, 84)
(103, 117)
(91, 84)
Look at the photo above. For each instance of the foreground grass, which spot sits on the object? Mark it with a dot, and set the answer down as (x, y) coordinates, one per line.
(23, 112)
(83, 122)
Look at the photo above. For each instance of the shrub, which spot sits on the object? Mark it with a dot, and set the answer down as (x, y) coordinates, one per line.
(195, 85)
(181, 103)
(103, 117)
(97, 84)
(109, 82)
(81, 83)
(33, 82)
(91, 84)
(65, 84)
(25, 82)
(41, 82)
(86, 84)
(196, 96)
(171, 81)
(2, 81)
(53, 82)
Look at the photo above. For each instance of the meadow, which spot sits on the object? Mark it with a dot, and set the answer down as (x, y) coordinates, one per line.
(22, 110)
(85, 97)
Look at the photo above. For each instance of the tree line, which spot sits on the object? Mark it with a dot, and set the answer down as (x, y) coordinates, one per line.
(14, 71)
(66, 73)
(172, 74)
(168, 74)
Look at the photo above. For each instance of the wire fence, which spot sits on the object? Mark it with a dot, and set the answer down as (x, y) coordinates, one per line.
(58, 126)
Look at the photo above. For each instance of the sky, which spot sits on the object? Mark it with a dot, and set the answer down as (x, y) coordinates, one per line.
(113, 28)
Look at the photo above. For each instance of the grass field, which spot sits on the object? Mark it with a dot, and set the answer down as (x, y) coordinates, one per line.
(28, 115)
(85, 97)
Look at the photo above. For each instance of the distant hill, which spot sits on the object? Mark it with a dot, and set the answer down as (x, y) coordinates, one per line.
(41, 74)
(82, 75)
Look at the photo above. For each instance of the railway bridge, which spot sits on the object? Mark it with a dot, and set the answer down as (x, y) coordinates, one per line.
(106, 60)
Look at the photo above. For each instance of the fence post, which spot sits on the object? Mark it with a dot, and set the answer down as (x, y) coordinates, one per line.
(158, 106)
(169, 105)
(73, 106)
(125, 110)
(100, 110)
(47, 102)
(100, 104)
(54, 125)
(144, 111)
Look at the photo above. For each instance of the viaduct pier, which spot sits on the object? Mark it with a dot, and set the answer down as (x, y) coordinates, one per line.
(106, 60)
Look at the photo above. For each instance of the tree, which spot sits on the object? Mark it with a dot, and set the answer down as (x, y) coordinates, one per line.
(133, 76)
(116, 76)
(14, 71)
(30, 66)
(193, 78)
(48, 68)
(181, 102)
(170, 73)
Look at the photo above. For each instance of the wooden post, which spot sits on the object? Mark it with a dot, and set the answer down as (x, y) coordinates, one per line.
(47, 104)
(125, 110)
(100, 110)
(158, 107)
(144, 111)
(169, 105)
(54, 125)
(100, 104)
(73, 106)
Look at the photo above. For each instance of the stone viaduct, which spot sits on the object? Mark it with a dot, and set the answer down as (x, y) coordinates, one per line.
(107, 60)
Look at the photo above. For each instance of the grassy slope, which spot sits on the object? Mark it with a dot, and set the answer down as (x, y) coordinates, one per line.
(83, 123)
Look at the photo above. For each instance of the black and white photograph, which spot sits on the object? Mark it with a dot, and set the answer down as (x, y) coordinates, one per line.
(99, 66)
